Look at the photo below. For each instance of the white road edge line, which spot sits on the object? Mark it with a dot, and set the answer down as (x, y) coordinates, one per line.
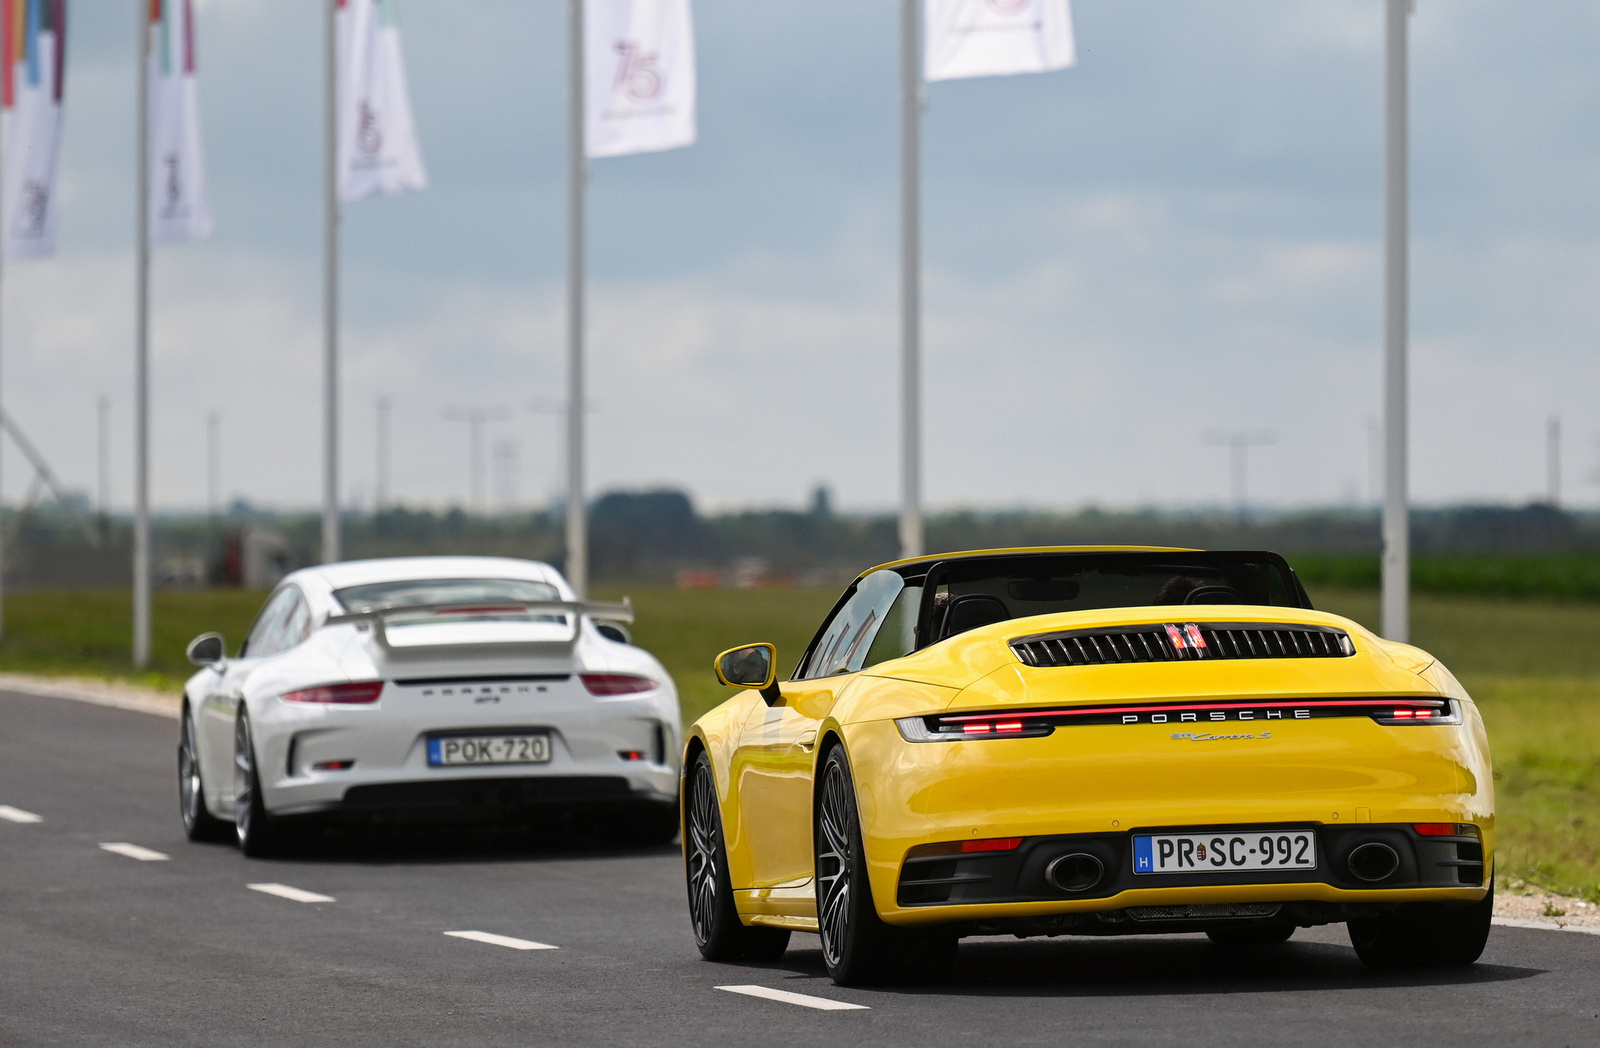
(133, 851)
(1518, 922)
(10, 814)
(804, 1000)
(503, 940)
(283, 891)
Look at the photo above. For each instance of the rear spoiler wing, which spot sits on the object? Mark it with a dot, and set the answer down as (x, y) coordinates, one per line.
(377, 619)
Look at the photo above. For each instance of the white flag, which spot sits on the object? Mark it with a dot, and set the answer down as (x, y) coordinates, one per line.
(32, 46)
(997, 37)
(179, 207)
(378, 151)
(639, 84)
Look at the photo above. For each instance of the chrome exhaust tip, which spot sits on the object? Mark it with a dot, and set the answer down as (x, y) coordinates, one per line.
(1373, 861)
(1075, 871)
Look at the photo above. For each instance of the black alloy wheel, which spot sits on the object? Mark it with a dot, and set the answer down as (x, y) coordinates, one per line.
(258, 837)
(1424, 935)
(198, 822)
(858, 948)
(718, 932)
(1251, 933)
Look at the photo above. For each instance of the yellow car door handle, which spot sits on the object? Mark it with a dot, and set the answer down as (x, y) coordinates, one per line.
(808, 739)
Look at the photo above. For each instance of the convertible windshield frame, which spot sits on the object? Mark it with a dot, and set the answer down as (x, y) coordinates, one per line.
(930, 574)
(1176, 562)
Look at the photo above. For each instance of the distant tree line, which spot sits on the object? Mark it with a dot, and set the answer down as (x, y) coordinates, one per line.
(658, 534)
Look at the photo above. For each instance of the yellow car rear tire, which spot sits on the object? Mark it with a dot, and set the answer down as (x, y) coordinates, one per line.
(1424, 935)
(857, 946)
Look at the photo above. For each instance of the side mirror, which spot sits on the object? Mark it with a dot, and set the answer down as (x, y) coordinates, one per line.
(752, 666)
(207, 649)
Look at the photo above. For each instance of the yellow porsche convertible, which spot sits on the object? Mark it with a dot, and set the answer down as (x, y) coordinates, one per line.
(1086, 741)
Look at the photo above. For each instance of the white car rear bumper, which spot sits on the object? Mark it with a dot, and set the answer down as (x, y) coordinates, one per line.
(603, 750)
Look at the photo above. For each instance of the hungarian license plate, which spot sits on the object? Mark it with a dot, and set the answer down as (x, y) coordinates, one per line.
(448, 750)
(1225, 852)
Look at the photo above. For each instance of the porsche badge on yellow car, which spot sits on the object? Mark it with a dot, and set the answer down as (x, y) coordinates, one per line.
(1092, 741)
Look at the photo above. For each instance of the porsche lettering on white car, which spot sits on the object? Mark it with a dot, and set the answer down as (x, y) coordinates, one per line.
(428, 687)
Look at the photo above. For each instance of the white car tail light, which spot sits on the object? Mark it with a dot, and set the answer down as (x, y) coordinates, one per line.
(360, 692)
(617, 683)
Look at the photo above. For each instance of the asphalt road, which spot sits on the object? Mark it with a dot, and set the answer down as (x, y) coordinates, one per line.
(100, 948)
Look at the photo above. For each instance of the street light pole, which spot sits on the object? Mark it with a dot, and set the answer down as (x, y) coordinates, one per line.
(381, 488)
(577, 560)
(1553, 460)
(1396, 569)
(331, 550)
(1239, 443)
(141, 369)
(104, 472)
(911, 94)
(213, 465)
(476, 419)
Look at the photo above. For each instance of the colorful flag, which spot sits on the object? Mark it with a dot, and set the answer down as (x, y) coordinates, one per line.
(179, 207)
(968, 38)
(378, 151)
(639, 85)
(32, 49)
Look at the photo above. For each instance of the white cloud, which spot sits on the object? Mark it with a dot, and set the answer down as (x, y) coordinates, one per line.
(1181, 235)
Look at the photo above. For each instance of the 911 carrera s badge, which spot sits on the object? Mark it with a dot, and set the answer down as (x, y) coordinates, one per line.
(1189, 736)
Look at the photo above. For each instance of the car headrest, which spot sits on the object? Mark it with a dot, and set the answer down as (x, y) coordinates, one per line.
(1214, 595)
(970, 612)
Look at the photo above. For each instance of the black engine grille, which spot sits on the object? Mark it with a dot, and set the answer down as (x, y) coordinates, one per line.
(1176, 642)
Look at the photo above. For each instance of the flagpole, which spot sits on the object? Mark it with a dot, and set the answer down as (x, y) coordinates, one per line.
(1396, 571)
(577, 172)
(330, 288)
(141, 369)
(911, 541)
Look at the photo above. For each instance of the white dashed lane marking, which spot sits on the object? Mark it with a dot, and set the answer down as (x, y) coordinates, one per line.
(804, 1000)
(503, 940)
(10, 814)
(1517, 922)
(133, 851)
(283, 891)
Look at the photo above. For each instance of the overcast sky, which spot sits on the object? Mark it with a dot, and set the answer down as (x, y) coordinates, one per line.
(1180, 235)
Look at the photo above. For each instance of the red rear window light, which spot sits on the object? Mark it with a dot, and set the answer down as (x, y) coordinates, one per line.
(617, 683)
(1445, 829)
(359, 693)
(991, 844)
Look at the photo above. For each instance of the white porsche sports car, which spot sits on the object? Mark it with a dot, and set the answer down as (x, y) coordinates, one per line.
(443, 687)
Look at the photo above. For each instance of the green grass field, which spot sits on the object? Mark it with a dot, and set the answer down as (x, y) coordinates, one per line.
(1531, 666)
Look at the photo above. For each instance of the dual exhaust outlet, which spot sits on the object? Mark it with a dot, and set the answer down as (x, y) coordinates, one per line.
(1373, 861)
(1075, 871)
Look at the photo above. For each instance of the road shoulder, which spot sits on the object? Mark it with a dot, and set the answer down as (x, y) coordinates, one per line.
(114, 694)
